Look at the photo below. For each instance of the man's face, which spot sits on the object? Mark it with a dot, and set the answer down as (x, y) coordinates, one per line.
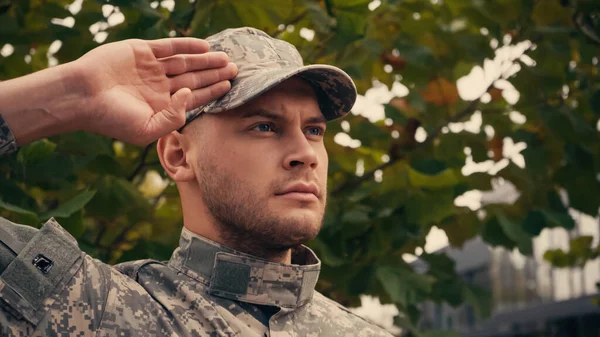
(262, 168)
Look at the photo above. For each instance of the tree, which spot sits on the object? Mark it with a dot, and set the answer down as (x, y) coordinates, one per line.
(546, 49)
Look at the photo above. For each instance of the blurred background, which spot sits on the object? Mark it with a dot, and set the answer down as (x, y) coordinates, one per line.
(463, 189)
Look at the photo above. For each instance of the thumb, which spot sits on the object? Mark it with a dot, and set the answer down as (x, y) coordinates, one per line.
(171, 118)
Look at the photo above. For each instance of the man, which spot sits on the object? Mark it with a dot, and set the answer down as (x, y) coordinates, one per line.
(251, 170)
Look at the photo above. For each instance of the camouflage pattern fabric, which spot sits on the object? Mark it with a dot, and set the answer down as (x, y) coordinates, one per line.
(205, 289)
(8, 143)
(263, 62)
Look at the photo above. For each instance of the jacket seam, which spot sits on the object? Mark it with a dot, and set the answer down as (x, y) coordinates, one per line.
(108, 282)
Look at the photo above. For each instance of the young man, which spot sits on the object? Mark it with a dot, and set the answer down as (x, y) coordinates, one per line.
(251, 169)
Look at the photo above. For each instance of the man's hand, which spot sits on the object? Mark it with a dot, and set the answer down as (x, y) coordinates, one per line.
(134, 90)
(137, 91)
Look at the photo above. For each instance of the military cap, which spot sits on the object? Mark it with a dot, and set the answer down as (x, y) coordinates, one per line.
(264, 62)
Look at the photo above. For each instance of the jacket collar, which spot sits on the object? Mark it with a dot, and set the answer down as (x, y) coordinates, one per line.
(242, 277)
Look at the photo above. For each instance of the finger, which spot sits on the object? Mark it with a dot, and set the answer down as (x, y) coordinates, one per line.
(203, 78)
(200, 97)
(180, 64)
(171, 118)
(178, 45)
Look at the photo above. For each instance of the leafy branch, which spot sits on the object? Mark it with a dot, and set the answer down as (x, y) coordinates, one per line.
(468, 110)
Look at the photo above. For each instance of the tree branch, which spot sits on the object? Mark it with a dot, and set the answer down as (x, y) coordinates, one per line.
(142, 163)
(103, 228)
(117, 241)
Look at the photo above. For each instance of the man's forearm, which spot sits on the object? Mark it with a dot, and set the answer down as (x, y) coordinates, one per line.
(42, 104)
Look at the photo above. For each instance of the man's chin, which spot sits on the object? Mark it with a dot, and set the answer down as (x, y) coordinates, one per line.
(301, 226)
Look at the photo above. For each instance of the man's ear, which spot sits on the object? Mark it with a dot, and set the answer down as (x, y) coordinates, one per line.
(173, 157)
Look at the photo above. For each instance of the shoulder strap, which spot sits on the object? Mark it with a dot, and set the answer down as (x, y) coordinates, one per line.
(41, 270)
(7, 239)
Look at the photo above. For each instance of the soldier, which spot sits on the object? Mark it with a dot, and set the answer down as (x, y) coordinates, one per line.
(250, 165)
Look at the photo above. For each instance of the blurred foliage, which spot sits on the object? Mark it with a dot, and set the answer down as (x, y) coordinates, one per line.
(102, 191)
(581, 251)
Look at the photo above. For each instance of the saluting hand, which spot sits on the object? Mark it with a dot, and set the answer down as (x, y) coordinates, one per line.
(137, 90)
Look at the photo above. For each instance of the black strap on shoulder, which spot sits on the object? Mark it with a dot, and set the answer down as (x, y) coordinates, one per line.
(40, 270)
(9, 240)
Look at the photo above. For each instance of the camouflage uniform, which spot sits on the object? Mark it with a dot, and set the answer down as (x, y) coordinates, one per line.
(205, 289)
(49, 287)
(7, 139)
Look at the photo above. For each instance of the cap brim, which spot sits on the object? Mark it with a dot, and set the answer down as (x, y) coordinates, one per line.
(335, 90)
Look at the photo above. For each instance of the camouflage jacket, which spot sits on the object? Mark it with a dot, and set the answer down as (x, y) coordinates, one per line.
(49, 287)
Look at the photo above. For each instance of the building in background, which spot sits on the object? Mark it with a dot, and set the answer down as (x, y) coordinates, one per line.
(530, 297)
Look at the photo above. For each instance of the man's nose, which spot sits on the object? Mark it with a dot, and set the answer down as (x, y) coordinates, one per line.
(301, 152)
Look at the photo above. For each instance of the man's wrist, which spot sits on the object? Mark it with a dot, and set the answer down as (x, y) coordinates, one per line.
(74, 109)
(43, 104)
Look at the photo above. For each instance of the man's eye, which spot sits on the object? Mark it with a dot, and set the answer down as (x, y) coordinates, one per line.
(316, 131)
(263, 127)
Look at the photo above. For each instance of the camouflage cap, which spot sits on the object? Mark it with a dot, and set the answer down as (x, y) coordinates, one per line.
(263, 62)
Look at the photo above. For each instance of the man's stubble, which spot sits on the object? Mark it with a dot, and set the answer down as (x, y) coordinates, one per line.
(242, 216)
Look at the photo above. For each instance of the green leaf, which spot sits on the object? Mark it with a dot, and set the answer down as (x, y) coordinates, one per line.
(444, 179)
(427, 208)
(18, 210)
(350, 28)
(84, 143)
(534, 223)
(115, 197)
(36, 152)
(326, 254)
(493, 234)
(361, 281)
(73, 224)
(462, 69)
(516, 233)
(70, 207)
(581, 245)
(480, 299)
(367, 132)
(440, 264)
(461, 228)
(415, 54)
(559, 258)
(403, 286)
(559, 219)
(429, 167)
(356, 220)
(575, 180)
(200, 24)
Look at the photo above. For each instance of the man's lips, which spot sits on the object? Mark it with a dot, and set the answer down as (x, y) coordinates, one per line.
(300, 191)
